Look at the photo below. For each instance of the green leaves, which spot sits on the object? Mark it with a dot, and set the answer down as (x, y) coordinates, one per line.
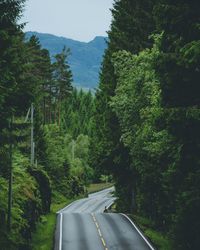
(190, 54)
(77, 113)
(150, 99)
(62, 74)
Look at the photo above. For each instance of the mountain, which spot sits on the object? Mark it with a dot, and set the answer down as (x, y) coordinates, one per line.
(85, 59)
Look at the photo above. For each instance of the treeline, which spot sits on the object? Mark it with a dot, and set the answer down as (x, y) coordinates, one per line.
(147, 120)
(60, 167)
(77, 113)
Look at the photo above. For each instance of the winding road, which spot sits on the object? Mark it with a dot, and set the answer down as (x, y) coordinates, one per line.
(83, 226)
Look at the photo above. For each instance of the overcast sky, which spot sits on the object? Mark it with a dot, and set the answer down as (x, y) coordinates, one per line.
(77, 19)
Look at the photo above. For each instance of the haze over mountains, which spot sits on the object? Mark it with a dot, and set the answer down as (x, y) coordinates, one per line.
(85, 59)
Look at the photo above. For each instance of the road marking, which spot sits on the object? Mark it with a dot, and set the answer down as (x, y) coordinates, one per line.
(140, 233)
(103, 241)
(60, 243)
(90, 197)
(99, 231)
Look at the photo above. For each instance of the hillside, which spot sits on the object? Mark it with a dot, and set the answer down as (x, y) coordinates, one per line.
(85, 59)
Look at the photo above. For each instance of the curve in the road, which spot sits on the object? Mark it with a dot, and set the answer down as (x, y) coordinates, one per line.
(83, 226)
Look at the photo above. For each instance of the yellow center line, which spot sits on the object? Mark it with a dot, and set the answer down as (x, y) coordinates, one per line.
(103, 242)
(99, 232)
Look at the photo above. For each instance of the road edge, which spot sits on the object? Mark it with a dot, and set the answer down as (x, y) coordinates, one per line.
(138, 230)
(61, 210)
(58, 232)
(60, 215)
(60, 219)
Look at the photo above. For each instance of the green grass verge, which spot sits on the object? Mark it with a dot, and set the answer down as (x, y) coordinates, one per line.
(159, 241)
(98, 187)
(42, 238)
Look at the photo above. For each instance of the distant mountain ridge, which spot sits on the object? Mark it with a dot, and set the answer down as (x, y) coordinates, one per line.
(85, 59)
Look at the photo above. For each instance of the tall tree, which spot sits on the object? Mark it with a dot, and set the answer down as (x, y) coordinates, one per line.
(178, 70)
(39, 76)
(62, 77)
(132, 24)
(10, 58)
(10, 72)
(77, 115)
(20, 84)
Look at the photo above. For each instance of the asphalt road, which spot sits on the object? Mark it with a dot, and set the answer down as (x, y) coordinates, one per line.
(83, 226)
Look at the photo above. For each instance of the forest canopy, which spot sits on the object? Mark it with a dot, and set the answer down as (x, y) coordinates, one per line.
(142, 126)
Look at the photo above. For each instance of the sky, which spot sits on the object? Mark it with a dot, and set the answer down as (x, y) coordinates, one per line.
(80, 20)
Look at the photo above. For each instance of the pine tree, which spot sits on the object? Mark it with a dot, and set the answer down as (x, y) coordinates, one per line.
(21, 82)
(10, 69)
(132, 24)
(178, 70)
(38, 75)
(77, 114)
(62, 77)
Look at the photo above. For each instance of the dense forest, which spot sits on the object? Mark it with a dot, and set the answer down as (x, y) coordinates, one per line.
(142, 126)
(38, 103)
(147, 119)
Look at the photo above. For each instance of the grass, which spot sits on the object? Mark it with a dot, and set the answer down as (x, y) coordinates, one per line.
(43, 237)
(98, 187)
(159, 241)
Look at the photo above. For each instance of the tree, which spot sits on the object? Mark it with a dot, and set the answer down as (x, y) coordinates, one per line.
(38, 74)
(62, 77)
(132, 24)
(178, 71)
(77, 115)
(10, 72)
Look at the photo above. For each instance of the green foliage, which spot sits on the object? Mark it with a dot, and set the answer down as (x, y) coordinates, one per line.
(67, 161)
(43, 237)
(25, 77)
(56, 155)
(147, 113)
(85, 59)
(131, 25)
(79, 159)
(95, 187)
(158, 239)
(77, 113)
(142, 127)
(62, 80)
(28, 77)
(62, 74)
(137, 105)
(44, 186)
(177, 68)
(156, 136)
(3, 206)
(27, 204)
